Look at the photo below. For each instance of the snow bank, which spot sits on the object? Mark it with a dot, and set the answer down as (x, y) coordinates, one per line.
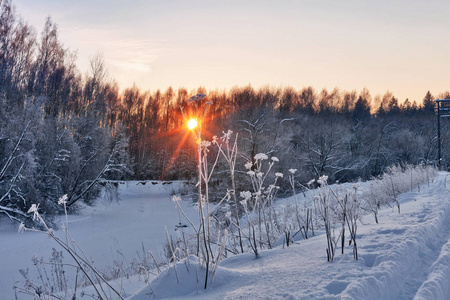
(404, 256)
(437, 285)
(421, 236)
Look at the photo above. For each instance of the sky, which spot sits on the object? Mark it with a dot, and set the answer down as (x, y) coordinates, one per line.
(397, 46)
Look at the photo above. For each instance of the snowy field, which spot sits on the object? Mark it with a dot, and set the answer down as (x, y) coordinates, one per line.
(405, 256)
(107, 232)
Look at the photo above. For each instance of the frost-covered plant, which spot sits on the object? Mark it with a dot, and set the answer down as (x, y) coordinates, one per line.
(250, 234)
(229, 153)
(303, 215)
(373, 199)
(206, 240)
(352, 216)
(225, 217)
(81, 263)
(338, 207)
(384, 191)
(261, 198)
(326, 208)
(50, 283)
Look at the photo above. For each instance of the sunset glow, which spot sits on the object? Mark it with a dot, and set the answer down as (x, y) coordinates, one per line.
(400, 46)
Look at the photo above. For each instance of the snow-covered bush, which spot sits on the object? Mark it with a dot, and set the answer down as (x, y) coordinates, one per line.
(336, 207)
(383, 191)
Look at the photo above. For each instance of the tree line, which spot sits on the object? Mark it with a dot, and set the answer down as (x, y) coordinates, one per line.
(67, 132)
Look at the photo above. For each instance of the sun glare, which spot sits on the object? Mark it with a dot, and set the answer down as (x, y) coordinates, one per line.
(192, 123)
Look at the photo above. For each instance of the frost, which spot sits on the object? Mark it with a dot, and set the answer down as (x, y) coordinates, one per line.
(205, 144)
(279, 174)
(63, 200)
(259, 174)
(322, 180)
(33, 209)
(251, 173)
(226, 136)
(292, 171)
(274, 158)
(176, 198)
(198, 205)
(310, 182)
(248, 165)
(21, 227)
(261, 156)
(229, 193)
(246, 195)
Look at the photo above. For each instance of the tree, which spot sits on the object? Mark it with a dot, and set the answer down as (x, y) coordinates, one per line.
(17, 44)
(10, 174)
(95, 87)
(428, 103)
(167, 104)
(308, 99)
(49, 68)
(86, 181)
(321, 147)
(361, 112)
(329, 102)
(349, 101)
(288, 101)
(393, 107)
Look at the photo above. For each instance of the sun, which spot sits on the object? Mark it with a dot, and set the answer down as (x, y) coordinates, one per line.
(192, 123)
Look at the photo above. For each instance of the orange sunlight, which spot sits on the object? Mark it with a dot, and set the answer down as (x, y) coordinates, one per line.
(192, 123)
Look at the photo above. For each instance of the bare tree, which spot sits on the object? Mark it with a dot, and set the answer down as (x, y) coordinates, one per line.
(10, 192)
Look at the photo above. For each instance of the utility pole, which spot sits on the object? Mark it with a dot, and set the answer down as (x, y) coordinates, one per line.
(443, 110)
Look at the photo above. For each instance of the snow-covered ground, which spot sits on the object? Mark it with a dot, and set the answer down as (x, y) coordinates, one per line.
(405, 256)
(107, 232)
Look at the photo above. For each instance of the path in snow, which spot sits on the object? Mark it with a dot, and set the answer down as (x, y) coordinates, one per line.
(414, 241)
(429, 234)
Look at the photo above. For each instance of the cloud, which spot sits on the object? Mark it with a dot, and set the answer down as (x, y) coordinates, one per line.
(122, 52)
(132, 54)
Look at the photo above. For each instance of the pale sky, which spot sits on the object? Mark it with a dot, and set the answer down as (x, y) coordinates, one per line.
(400, 46)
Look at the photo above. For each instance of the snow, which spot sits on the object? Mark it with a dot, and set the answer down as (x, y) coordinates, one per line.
(405, 256)
(107, 232)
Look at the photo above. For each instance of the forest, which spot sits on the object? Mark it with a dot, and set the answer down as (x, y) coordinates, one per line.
(64, 131)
